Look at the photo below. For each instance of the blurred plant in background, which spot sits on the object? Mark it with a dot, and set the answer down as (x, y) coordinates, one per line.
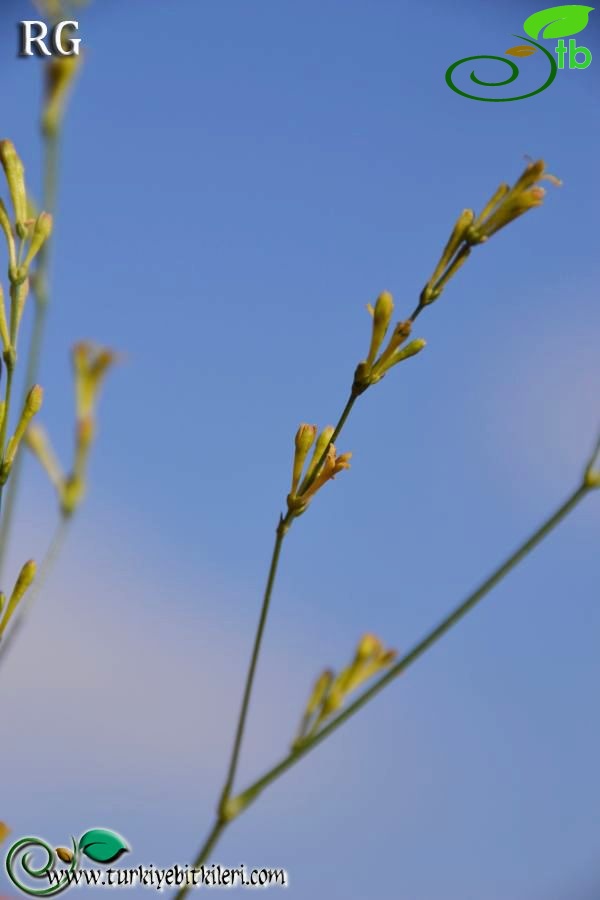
(27, 236)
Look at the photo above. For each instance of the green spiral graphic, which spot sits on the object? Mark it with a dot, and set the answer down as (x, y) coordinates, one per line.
(513, 75)
(12, 860)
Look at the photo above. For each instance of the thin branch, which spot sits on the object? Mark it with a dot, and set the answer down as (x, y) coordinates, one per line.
(238, 804)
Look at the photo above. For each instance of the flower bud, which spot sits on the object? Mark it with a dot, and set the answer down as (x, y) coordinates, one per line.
(60, 73)
(4, 335)
(41, 232)
(321, 686)
(26, 576)
(369, 646)
(323, 442)
(382, 316)
(33, 403)
(15, 177)
(305, 438)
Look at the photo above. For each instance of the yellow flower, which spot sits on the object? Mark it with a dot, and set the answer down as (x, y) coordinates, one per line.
(23, 582)
(332, 465)
(323, 467)
(508, 204)
(372, 369)
(330, 691)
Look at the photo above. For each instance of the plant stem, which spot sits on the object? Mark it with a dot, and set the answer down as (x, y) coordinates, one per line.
(419, 649)
(39, 288)
(243, 800)
(3, 430)
(282, 528)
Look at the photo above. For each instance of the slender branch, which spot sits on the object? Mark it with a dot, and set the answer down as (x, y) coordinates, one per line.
(282, 528)
(243, 800)
(3, 429)
(419, 649)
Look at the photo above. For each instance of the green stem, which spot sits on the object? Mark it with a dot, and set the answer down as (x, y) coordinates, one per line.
(244, 799)
(203, 853)
(39, 288)
(419, 649)
(282, 529)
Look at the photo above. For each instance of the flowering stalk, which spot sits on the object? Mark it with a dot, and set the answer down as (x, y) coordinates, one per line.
(329, 693)
(305, 743)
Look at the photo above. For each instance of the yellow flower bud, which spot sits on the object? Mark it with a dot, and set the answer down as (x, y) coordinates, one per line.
(524, 195)
(321, 686)
(404, 353)
(60, 73)
(382, 316)
(37, 441)
(41, 232)
(463, 223)
(368, 647)
(26, 576)
(305, 438)
(6, 227)
(320, 447)
(15, 177)
(4, 335)
(33, 403)
(333, 701)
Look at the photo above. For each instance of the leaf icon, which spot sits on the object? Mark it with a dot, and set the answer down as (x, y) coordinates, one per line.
(557, 21)
(521, 50)
(102, 845)
(65, 855)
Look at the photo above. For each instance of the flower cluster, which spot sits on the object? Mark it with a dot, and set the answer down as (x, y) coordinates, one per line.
(374, 367)
(330, 690)
(324, 465)
(90, 365)
(505, 205)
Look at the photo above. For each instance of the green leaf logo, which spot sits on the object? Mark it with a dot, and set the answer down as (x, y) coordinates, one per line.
(557, 21)
(102, 845)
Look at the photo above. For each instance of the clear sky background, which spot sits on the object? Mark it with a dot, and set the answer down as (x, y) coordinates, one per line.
(238, 181)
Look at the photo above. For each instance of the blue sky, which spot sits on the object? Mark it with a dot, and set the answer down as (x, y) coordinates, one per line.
(238, 180)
